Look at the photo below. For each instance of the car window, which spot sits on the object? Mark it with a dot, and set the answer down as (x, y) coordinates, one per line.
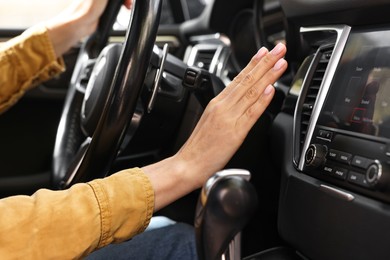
(21, 14)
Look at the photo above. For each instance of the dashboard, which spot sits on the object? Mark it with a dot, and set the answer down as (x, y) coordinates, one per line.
(334, 147)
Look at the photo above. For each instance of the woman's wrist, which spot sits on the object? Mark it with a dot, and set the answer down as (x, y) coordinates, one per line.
(73, 24)
(63, 35)
(172, 178)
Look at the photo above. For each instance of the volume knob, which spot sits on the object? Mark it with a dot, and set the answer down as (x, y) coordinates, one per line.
(377, 176)
(315, 155)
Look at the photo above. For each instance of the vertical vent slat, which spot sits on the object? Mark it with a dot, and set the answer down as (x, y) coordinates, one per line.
(204, 58)
(312, 92)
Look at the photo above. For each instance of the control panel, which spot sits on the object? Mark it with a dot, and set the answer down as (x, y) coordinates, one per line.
(355, 163)
(347, 141)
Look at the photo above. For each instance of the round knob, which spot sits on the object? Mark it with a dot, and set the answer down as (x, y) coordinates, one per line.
(374, 175)
(315, 155)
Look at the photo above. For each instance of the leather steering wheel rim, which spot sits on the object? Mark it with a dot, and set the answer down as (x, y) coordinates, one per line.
(78, 157)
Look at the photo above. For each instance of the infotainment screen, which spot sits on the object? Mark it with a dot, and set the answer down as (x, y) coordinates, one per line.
(359, 97)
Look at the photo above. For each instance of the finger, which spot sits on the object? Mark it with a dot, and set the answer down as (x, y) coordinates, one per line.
(252, 63)
(253, 113)
(263, 74)
(256, 90)
(251, 88)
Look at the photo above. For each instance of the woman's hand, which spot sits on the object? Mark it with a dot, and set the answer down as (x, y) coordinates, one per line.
(79, 20)
(88, 12)
(221, 130)
(228, 118)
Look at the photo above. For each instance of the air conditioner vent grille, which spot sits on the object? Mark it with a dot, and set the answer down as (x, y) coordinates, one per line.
(313, 90)
(204, 58)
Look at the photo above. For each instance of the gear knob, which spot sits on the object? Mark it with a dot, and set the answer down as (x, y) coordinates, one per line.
(226, 203)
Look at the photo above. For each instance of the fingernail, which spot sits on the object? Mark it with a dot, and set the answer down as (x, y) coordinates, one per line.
(277, 49)
(279, 64)
(261, 52)
(268, 90)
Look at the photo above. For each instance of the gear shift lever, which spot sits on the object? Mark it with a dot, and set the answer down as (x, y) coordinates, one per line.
(226, 203)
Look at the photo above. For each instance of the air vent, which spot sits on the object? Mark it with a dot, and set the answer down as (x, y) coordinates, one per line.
(312, 91)
(325, 48)
(204, 57)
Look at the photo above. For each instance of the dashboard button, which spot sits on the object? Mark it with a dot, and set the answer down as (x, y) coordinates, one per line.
(328, 169)
(333, 154)
(358, 179)
(344, 157)
(340, 173)
(323, 134)
(361, 162)
(329, 135)
(337, 172)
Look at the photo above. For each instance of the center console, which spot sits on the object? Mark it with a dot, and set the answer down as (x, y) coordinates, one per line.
(335, 183)
(350, 142)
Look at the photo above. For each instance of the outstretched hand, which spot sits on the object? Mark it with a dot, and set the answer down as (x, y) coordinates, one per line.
(229, 117)
(221, 130)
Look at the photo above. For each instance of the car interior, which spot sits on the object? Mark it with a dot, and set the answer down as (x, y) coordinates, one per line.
(314, 169)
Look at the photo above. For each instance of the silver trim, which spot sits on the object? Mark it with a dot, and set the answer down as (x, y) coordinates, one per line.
(336, 192)
(193, 54)
(216, 64)
(295, 134)
(375, 181)
(234, 250)
(218, 61)
(323, 139)
(205, 37)
(83, 149)
(342, 37)
(218, 176)
(157, 79)
(173, 41)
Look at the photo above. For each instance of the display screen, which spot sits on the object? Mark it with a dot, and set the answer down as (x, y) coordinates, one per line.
(359, 97)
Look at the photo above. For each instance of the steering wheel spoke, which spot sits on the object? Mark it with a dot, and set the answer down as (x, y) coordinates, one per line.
(74, 166)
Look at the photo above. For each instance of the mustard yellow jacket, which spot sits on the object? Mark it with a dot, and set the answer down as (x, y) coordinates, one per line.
(65, 224)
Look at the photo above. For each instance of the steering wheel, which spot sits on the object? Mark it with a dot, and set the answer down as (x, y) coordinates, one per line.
(103, 95)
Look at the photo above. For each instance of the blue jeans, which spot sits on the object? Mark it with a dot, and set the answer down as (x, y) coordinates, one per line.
(175, 241)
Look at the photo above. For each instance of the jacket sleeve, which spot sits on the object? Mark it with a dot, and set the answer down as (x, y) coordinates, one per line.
(26, 61)
(70, 224)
